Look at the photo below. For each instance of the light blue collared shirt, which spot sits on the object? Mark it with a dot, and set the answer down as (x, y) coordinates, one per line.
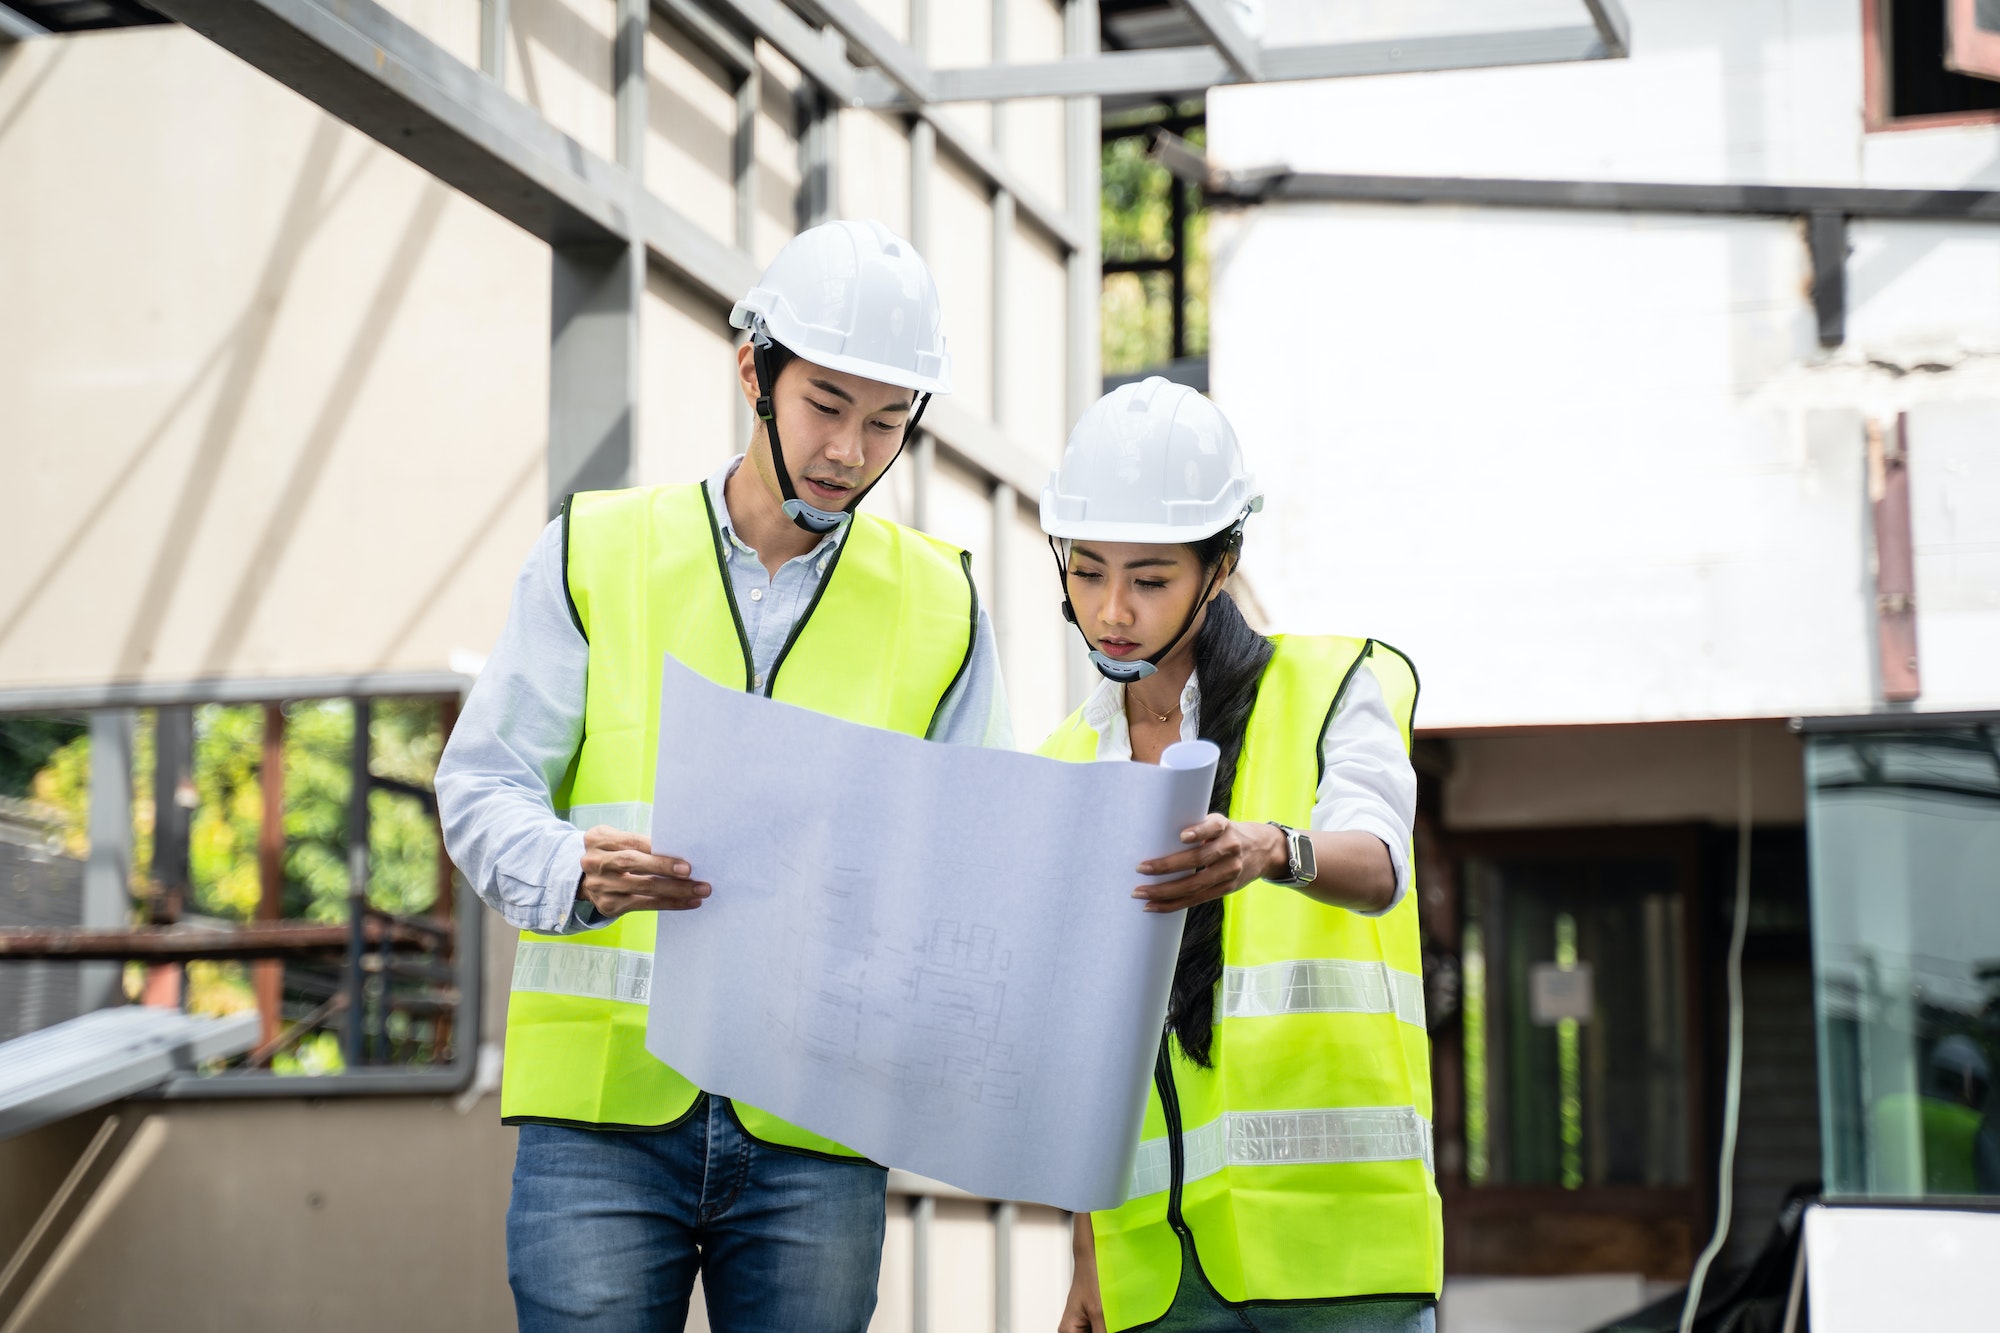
(523, 721)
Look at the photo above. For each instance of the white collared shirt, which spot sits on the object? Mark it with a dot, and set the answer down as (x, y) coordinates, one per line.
(1367, 785)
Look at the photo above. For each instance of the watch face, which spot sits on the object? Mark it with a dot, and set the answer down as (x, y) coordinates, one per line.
(1305, 866)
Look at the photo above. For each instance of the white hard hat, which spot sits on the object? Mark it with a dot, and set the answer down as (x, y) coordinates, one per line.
(853, 297)
(1149, 462)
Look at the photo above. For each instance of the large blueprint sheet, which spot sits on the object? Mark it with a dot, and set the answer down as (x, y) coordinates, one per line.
(929, 953)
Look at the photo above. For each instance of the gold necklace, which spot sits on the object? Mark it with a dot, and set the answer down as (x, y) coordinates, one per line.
(1163, 718)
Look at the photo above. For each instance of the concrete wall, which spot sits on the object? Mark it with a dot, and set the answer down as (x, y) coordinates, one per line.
(275, 399)
(1591, 467)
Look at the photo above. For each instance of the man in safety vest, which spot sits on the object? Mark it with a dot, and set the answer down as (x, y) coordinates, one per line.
(628, 1179)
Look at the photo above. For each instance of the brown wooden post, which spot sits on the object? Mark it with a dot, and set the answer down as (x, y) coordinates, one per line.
(268, 975)
(1895, 559)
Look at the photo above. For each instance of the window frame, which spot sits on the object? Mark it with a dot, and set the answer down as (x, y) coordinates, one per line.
(1876, 115)
(453, 1076)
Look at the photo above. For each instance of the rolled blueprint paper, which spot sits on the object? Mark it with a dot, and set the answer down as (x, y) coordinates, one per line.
(927, 953)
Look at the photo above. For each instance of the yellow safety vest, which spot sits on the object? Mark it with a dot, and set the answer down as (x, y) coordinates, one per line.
(888, 635)
(1299, 1165)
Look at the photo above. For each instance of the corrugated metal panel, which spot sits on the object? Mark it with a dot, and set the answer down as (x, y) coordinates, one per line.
(38, 887)
(100, 1057)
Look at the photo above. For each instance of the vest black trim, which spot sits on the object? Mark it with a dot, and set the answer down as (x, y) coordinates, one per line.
(1332, 709)
(1416, 681)
(729, 589)
(971, 641)
(805, 617)
(569, 598)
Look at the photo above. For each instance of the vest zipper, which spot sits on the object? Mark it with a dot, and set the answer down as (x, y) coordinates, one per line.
(1170, 1107)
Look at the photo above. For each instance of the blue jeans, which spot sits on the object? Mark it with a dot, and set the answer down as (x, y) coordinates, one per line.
(608, 1228)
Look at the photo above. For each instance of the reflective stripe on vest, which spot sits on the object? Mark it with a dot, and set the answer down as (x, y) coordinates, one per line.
(625, 816)
(1287, 1138)
(587, 971)
(1322, 986)
(888, 633)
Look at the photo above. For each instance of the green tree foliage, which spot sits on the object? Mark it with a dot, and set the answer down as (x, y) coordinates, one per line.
(26, 743)
(1136, 223)
(406, 736)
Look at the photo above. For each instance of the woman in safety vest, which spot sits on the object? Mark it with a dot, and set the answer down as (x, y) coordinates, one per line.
(1283, 1179)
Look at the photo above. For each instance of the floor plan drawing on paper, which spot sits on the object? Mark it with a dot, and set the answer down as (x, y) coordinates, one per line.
(926, 953)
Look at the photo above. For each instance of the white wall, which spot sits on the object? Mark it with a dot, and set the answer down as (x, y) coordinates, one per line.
(272, 400)
(1593, 467)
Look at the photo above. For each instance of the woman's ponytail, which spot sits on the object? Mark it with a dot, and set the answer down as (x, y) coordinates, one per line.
(1229, 660)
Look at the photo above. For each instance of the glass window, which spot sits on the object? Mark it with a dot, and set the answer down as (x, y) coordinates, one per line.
(1575, 1020)
(242, 815)
(1905, 845)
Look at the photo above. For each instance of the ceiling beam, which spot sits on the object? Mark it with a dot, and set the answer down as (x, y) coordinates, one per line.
(1225, 34)
(18, 27)
(868, 38)
(365, 66)
(1613, 28)
(1182, 70)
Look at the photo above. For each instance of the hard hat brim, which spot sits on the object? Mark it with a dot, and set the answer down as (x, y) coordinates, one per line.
(1145, 534)
(875, 370)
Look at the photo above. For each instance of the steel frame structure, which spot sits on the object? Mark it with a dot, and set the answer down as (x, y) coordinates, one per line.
(1824, 210)
(605, 227)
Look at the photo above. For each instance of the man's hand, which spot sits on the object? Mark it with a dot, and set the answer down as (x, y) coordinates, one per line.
(621, 874)
(1084, 1311)
(1224, 855)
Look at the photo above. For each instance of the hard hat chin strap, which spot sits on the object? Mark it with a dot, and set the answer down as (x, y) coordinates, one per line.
(1110, 667)
(803, 514)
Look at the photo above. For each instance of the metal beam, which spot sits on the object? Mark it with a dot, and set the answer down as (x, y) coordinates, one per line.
(1613, 28)
(493, 21)
(267, 939)
(876, 44)
(1826, 241)
(805, 47)
(1000, 177)
(107, 875)
(1826, 210)
(367, 67)
(18, 27)
(1591, 196)
(1178, 71)
(227, 690)
(710, 33)
(1225, 35)
(798, 42)
(594, 297)
(628, 82)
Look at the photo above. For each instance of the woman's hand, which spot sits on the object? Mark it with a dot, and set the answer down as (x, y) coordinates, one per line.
(621, 874)
(1222, 857)
(1084, 1311)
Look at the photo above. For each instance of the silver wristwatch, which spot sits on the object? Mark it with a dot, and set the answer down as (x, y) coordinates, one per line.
(1302, 868)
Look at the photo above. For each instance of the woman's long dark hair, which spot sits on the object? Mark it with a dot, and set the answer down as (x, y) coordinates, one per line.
(1229, 659)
